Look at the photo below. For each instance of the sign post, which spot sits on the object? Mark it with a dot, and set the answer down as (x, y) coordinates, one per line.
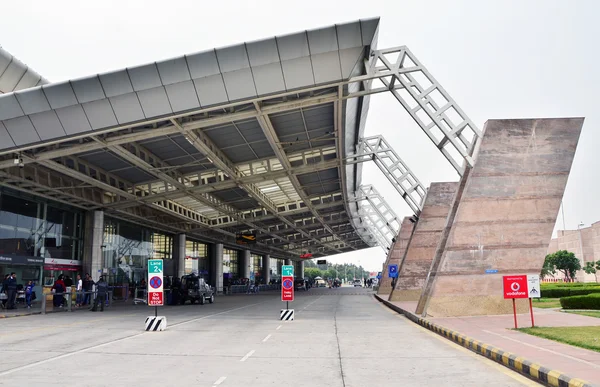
(287, 290)
(533, 291)
(393, 271)
(521, 286)
(155, 284)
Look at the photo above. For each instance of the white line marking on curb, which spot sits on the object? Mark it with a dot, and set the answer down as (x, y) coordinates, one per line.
(247, 355)
(543, 349)
(220, 380)
(278, 328)
(266, 338)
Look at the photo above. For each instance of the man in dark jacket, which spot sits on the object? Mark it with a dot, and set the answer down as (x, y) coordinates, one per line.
(12, 291)
(101, 290)
(4, 289)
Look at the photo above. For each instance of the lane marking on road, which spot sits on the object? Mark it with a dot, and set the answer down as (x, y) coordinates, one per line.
(544, 349)
(506, 371)
(312, 303)
(266, 338)
(219, 381)
(279, 327)
(248, 355)
(69, 354)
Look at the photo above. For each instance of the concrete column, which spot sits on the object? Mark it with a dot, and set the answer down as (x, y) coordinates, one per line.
(266, 267)
(504, 218)
(94, 237)
(216, 266)
(288, 262)
(415, 265)
(300, 270)
(245, 264)
(396, 254)
(179, 253)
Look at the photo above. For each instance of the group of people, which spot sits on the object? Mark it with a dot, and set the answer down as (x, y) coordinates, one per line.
(83, 289)
(10, 289)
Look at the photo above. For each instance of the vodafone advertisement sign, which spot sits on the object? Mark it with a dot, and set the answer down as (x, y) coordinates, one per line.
(515, 286)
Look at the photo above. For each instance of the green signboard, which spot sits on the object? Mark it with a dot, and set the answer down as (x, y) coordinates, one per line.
(287, 271)
(155, 266)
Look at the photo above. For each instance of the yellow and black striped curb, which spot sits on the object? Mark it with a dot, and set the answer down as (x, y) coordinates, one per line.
(530, 369)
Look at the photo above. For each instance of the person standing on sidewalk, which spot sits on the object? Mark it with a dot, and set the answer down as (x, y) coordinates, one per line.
(101, 291)
(12, 291)
(87, 289)
(79, 290)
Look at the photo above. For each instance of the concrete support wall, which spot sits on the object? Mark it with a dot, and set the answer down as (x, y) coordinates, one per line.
(94, 237)
(505, 218)
(245, 264)
(424, 242)
(266, 262)
(216, 266)
(300, 273)
(396, 254)
(179, 254)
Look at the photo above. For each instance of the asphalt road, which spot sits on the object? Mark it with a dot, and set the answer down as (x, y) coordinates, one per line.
(340, 337)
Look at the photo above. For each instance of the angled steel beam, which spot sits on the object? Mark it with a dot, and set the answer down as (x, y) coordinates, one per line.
(204, 144)
(273, 139)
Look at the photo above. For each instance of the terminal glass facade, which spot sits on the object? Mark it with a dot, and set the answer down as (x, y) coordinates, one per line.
(231, 271)
(196, 258)
(274, 266)
(127, 247)
(39, 239)
(256, 262)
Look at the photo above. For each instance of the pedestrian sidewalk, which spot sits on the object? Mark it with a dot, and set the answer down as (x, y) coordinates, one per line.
(497, 331)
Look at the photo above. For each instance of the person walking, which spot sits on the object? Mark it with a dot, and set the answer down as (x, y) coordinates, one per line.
(29, 293)
(101, 291)
(79, 290)
(12, 291)
(87, 289)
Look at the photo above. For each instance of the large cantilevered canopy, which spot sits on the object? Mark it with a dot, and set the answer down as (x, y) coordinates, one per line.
(251, 137)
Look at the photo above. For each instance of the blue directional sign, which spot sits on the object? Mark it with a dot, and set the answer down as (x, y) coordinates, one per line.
(393, 271)
(491, 271)
(379, 275)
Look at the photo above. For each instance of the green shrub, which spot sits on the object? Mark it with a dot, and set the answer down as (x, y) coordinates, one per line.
(591, 301)
(563, 291)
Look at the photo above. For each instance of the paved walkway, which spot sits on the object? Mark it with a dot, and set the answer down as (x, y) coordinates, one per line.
(497, 331)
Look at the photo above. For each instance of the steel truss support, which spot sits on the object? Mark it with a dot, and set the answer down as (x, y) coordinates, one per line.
(398, 71)
(383, 223)
(376, 148)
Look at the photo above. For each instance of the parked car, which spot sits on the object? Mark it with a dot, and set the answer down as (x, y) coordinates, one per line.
(195, 289)
(300, 284)
(357, 282)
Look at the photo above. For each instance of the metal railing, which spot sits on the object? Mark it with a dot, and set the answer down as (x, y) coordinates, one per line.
(68, 298)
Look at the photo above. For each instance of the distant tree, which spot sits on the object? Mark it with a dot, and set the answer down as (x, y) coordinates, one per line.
(591, 267)
(565, 262)
(309, 263)
(548, 268)
(312, 272)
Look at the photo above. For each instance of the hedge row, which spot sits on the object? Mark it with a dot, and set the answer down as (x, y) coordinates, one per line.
(568, 284)
(567, 292)
(591, 301)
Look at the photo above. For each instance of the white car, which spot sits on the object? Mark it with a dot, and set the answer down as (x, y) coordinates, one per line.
(357, 283)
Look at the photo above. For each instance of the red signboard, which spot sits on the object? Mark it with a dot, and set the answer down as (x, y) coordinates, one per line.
(287, 288)
(307, 255)
(515, 286)
(155, 298)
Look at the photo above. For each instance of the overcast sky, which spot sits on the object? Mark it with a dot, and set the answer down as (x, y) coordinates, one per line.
(498, 59)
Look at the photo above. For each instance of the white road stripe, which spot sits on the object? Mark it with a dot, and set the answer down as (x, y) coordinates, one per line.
(220, 380)
(278, 328)
(247, 355)
(49, 360)
(266, 338)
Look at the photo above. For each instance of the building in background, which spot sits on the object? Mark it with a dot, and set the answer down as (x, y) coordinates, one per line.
(584, 243)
